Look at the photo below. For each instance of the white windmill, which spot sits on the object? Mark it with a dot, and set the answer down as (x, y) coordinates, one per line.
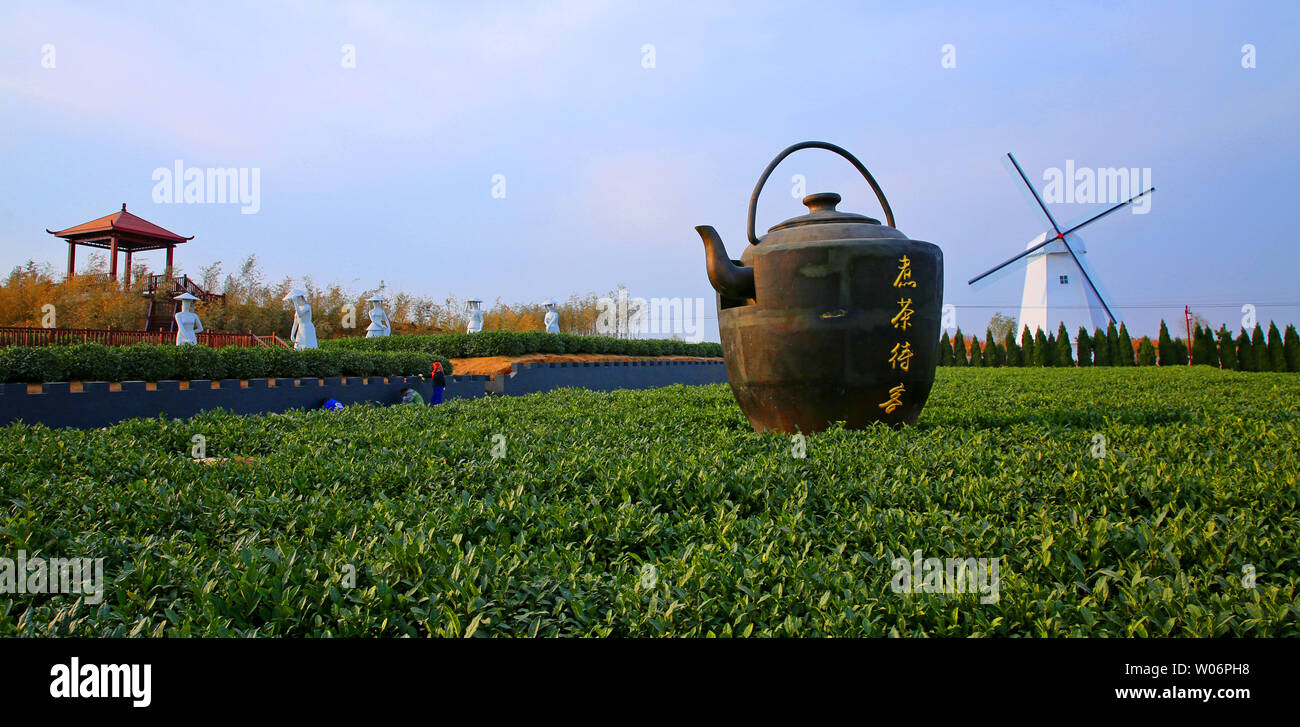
(1060, 286)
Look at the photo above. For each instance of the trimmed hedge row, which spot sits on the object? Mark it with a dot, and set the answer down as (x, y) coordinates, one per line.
(143, 362)
(518, 343)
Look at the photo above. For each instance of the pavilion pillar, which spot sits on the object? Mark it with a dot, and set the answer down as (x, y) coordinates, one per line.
(72, 258)
(170, 248)
(112, 259)
(127, 271)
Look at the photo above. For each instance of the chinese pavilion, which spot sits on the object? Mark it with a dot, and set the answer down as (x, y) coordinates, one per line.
(120, 231)
(123, 231)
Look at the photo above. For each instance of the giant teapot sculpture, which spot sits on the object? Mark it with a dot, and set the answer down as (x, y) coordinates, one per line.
(830, 316)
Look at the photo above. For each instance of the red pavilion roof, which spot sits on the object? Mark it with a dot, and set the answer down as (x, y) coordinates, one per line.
(124, 222)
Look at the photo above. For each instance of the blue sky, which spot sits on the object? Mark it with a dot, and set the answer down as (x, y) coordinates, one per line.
(385, 171)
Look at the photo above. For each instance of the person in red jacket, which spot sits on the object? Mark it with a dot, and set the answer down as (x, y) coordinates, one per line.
(439, 383)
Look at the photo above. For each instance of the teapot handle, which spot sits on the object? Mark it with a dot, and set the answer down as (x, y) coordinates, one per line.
(753, 199)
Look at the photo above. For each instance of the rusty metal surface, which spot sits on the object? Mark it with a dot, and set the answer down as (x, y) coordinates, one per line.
(813, 319)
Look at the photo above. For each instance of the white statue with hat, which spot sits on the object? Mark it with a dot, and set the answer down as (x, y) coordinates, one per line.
(303, 332)
(188, 325)
(475, 315)
(552, 318)
(379, 326)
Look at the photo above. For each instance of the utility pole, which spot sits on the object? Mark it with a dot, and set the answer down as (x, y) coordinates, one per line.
(1187, 319)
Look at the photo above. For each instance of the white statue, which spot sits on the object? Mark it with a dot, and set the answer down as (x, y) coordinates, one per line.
(475, 316)
(188, 325)
(552, 318)
(303, 332)
(379, 326)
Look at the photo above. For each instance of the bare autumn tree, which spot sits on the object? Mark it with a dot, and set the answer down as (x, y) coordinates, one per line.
(1001, 326)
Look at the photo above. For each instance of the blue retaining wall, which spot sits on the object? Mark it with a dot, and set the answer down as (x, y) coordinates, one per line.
(96, 406)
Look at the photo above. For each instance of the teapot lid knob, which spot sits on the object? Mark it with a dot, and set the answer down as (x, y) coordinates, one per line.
(821, 201)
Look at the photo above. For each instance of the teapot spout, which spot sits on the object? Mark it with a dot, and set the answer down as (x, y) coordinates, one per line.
(729, 279)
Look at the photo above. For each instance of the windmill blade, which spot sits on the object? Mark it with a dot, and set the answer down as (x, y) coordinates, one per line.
(1088, 279)
(1096, 217)
(1103, 294)
(1010, 269)
(1021, 173)
(1026, 253)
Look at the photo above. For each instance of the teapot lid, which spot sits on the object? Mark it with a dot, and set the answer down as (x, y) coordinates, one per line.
(821, 210)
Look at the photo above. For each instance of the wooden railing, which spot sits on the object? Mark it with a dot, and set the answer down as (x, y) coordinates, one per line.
(21, 336)
(173, 286)
(272, 341)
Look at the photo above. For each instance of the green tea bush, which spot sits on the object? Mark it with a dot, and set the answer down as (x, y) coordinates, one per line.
(91, 362)
(238, 362)
(515, 343)
(35, 363)
(661, 513)
(143, 363)
(97, 362)
(196, 362)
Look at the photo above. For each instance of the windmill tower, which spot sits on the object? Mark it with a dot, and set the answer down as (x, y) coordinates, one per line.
(1060, 286)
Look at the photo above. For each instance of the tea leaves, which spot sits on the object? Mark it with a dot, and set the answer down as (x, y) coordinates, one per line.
(652, 513)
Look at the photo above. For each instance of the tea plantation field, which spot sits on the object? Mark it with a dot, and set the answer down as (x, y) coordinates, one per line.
(661, 513)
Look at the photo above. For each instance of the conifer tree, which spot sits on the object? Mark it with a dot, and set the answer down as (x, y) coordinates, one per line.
(1203, 351)
(1180, 352)
(1011, 352)
(1227, 349)
(1260, 349)
(1112, 344)
(1125, 346)
(1064, 354)
(1146, 352)
(1245, 352)
(992, 351)
(1276, 354)
(1211, 348)
(976, 355)
(1291, 348)
(1042, 352)
(1165, 346)
(1100, 351)
(1026, 347)
(945, 350)
(1084, 342)
(959, 349)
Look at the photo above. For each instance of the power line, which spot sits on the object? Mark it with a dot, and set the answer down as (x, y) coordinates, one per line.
(1144, 305)
(1155, 306)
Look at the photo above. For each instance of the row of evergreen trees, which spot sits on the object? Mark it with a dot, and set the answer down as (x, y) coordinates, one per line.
(1113, 347)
